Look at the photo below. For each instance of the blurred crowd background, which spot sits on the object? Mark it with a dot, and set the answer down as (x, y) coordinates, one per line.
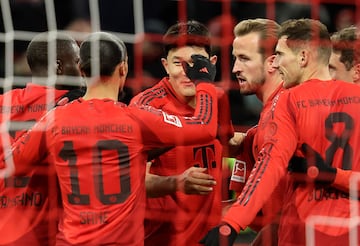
(118, 16)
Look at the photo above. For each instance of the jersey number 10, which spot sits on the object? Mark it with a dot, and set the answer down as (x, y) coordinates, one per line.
(67, 153)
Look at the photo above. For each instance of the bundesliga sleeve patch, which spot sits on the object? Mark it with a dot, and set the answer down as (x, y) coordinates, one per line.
(239, 172)
(172, 119)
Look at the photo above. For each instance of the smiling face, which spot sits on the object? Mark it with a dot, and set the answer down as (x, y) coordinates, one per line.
(287, 63)
(181, 84)
(249, 65)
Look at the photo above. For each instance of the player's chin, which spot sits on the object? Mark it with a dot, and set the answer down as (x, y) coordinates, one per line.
(188, 91)
(245, 90)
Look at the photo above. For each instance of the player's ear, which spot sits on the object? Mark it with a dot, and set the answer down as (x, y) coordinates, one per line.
(213, 59)
(59, 67)
(269, 64)
(356, 74)
(164, 62)
(82, 74)
(123, 68)
(303, 57)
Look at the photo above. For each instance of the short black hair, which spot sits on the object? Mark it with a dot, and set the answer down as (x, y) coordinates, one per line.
(37, 51)
(187, 33)
(111, 51)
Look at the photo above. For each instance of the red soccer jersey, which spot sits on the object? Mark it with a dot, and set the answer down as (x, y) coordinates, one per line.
(24, 200)
(324, 115)
(245, 162)
(181, 219)
(101, 161)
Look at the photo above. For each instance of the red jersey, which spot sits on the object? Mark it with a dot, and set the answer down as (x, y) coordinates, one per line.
(25, 199)
(181, 219)
(100, 161)
(324, 115)
(245, 162)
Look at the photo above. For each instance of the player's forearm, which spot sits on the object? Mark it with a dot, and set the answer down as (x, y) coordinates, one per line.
(157, 186)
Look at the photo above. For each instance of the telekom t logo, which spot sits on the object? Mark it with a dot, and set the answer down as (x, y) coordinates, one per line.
(207, 156)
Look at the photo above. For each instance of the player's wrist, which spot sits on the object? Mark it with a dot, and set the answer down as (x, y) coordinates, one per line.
(179, 183)
(342, 178)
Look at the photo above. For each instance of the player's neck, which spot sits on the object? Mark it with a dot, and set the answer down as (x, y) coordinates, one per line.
(102, 90)
(320, 72)
(271, 84)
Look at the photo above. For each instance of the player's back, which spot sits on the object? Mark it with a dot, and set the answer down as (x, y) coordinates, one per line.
(329, 110)
(326, 116)
(25, 199)
(101, 168)
(101, 161)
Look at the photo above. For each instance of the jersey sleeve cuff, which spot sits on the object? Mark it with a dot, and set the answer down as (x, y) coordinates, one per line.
(342, 179)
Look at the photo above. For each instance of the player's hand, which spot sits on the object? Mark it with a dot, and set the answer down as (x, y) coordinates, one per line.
(202, 69)
(194, 180)
(314, 167)
(70, 96)
(221, 235)
(237, 139)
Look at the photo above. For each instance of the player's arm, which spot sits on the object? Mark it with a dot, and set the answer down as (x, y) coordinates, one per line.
(313, 168)
(71, 96)
(25, 152)
(203, 70)
(244, 162)
(194, 180)
(342, 180)
(162, 129)
(280, 142)
(225, 130)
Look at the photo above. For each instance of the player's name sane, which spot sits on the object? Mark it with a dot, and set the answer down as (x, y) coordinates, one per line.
(29, 108)
(93, 218)
(328, 102)
(104, 128)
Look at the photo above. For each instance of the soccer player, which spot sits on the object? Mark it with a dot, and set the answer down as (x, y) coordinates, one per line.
(98, 148)
(344, 61)
(26, 199)
(174, 217)
(344, 65)
(253, 52)
(320, 116)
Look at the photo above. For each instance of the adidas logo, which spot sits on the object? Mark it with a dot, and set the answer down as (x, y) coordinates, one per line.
(204, 70)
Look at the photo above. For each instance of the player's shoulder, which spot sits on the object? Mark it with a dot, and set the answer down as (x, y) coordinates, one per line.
(325, 86)
(20, 97)
(347, 86)
(74, 107)
(151, 96)
(18, 92)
